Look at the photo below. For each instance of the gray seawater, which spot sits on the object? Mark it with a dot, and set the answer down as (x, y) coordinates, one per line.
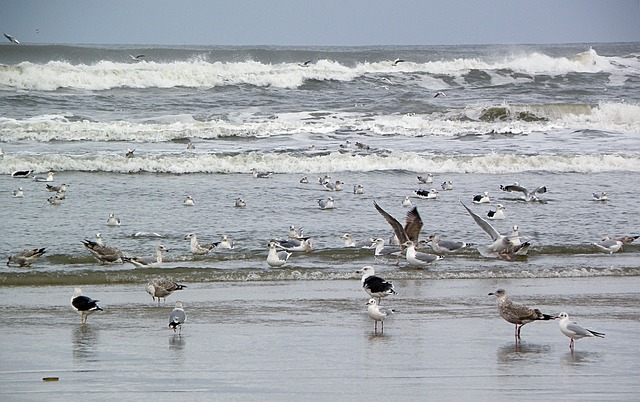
(564, 116)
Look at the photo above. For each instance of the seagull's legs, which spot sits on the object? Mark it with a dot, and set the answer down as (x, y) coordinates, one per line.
(375, 327)
(382, 325)
(571, 345)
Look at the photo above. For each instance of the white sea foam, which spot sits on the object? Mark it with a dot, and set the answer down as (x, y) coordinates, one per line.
(199, 73)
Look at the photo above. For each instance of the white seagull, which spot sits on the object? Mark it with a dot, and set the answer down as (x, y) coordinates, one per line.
(609, 245)
(326, 204)
(600, 197)
(377, 314)
(575, 331)
(145, 262)
(260, 175)
(276, 258)
(19, 193)
(498, 214)
(113, 220)
(240, 203)
(177, 317)
(301, 244)
(84, 305)
(337, 186)
(445, 246)
(198, 248)
(162, 287)
(358, 189)
(481, 198)
(517, 314)
(418, 259)
(397, 61)
(374, 285)
(225, 243)
(383, 250)
(501, 243)
(189, 202)
(426, 180)
(406, 202)
(447, 185)
(11, 38)
(49, 177)
(431, 194)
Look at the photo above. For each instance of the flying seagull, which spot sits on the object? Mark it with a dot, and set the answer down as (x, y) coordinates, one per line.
(11, 38)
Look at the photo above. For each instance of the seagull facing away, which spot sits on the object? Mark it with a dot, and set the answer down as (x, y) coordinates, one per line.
(326, 204)
(358, 189)
(101, 251)
(225, 243)
(374, 285)
(498, 214)
(113, 220)
(411, 229)
(145, 262)
(177, 317)
(526, 195)
(276, 258)
(377, 314)
(162, 287)
(418, 259)
(600, 197)
(26, 257)
(406, 202)
(198, 248)
(609, 245)
(11, 38)
(84, 305)
(501, 243)
(575, 331)
(517, 314)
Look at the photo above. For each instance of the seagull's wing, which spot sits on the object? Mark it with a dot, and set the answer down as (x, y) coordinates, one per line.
(540, 190)
(514, 188)
(484, 225)
(395, 225)
(413, 225)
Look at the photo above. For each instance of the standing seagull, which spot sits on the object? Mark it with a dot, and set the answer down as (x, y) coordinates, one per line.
(418, 259)
(163, 287)
(375, 285)
(177, 317)
(575, 331)
(84, 305)
(517, 314)
(26, 257)
(377, 314)
(609, 245)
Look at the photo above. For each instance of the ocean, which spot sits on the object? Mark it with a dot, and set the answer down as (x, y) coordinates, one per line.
(199, 118)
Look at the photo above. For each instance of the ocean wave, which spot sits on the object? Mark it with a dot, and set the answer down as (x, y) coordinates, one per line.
(305, 162)
(200, 73)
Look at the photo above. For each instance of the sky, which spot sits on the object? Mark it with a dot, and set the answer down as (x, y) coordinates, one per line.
(321, 23)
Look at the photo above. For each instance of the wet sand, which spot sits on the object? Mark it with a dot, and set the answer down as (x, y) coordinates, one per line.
(312, 340)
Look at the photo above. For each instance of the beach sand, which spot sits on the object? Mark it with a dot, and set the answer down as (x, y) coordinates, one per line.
(313, 340)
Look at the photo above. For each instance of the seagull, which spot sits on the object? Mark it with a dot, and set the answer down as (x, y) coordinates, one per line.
(439, 93)
(26, 257)
(374, 285)
(11, 38)
(19, 193)
(609, 245)
(481, 198)
(337, 186)
(21, 174)
(517, 314)
(396, 61)
(301, 244)
(381, 249)
(500, 243)
(177, 317)
(240, 203)
(145, 262)
(305, 63)
(55, 199)
(139, 57)
(498, 214)
(429, 195)
(129, 154)
(101, 251)
(527, 196)
(447, 185)
(517, 246)
(225, 243)
(162, 287)
(295, 233)
(198, 248)
(348, 240)
(84, 305)
(276, 258)
(425, 180)
(324, 180)
(189, 202)
(418, 259)
(600, 197)
(42, 178)
(113, 220)
(260, 175)
(57, 189)
(411, 229)
(358, 189)
(575, 331)
(377, 314)
(406, 202)
(627, 239)
(446, 246)
(304, 180)
(326, 204)
(190, 145)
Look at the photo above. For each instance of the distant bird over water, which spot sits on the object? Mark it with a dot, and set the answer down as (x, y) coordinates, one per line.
(11, 38)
